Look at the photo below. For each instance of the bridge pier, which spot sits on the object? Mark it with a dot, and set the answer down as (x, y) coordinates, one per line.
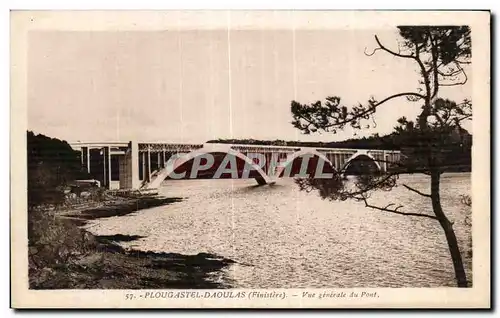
(106, 168)
(129, 167)
(385, 157)
(145, 172)
(148, 165)
(85, 155)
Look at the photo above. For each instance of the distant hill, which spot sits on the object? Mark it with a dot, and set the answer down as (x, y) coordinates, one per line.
(458, 148)
(391, 141)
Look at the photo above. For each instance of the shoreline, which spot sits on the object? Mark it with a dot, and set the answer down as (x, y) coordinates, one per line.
(99, 262)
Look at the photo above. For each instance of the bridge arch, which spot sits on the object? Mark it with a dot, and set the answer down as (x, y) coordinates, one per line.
(283, 166)
(358, 155)
(261, 178)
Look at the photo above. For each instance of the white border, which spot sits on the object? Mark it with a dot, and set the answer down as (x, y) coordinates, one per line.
(92, 4)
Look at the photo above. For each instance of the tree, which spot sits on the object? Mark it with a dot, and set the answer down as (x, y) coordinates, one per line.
(439, 54)
(52, 163)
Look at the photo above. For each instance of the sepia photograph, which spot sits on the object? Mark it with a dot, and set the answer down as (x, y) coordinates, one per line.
(250, 159)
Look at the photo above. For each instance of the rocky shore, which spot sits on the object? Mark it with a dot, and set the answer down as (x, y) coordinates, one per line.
(65, 256)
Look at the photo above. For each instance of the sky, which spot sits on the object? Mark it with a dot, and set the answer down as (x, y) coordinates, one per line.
(195, 85)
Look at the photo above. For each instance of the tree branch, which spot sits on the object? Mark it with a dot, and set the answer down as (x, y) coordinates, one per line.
(399, 95)
(352, 116)
(459, 119)
(416, 191)
(395, 210)
(372, 186)
(451, 74)
(459, 83)
(372, 108)
(408, 56)
(371, 54)
(454, 73)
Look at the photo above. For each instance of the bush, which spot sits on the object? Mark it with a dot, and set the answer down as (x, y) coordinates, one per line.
(54, 243)
(52, 165)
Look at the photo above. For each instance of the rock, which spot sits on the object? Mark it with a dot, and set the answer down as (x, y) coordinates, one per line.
(71, 196)
(90, 259)
(85, 194)
(33, 250)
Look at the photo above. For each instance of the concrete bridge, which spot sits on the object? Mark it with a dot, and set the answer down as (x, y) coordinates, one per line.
(144, 165)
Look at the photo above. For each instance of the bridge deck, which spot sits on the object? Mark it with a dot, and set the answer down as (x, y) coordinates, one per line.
(164, 145)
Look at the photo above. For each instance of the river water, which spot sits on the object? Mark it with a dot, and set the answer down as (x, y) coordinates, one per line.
(282, 237)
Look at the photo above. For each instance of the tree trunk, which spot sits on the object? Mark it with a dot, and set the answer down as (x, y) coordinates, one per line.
(447, 226)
